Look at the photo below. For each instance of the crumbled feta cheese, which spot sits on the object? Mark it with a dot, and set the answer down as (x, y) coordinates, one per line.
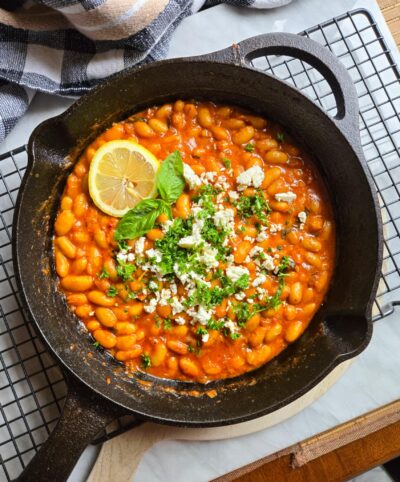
(205, 337)
(261, 278)
(154, 253)
(233, 195)
(225, 219)
(249, 238)
(188, 242)
(302, 216)
(231, 326)
(191, 177)
(153, 285)
(176, 306)
(286, 197)
(139, 245)
(173, 288)
(180, 320)
(268, 263)
(235, 272)
(202, 315)
(165, 226)
(240, 296)
(150, 308)
(251, 177)
(165, 295)
(122, 257)
(256, 251)
(274, 228)
(130, 257)
(208, 256)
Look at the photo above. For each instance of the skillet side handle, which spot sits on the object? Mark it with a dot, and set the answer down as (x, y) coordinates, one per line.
(317, 56)
(83, 416)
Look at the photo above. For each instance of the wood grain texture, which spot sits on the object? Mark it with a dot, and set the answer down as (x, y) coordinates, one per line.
(342, 464)
(391, 12)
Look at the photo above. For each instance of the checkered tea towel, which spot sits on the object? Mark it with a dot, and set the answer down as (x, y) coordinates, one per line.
(65, 47)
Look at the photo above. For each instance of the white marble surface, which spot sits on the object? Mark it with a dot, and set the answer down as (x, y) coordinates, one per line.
(372, 380)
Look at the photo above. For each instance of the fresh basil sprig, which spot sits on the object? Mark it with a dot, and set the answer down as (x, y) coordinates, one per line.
(170, 180)
(170, 185)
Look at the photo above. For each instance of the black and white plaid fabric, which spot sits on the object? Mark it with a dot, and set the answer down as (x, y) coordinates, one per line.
(65, 47)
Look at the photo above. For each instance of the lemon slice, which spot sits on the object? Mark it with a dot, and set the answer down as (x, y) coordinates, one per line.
(122, 173)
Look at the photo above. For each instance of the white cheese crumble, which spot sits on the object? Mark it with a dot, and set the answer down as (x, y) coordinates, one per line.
(208, 256)
(150, 308)
(225, 219)
(139, 245)
(235, 272)
(251, 177)
(261, 278)
(154, 253)
(201, 316)
(191, 177)
(122, 256)
(153, 285)
(179, 320)
(286, 197)
(205, 337)
(130, 257)
(275, 228)
(230, 325)
(240, 296)
(262, 237)
(268, 263)
(233, 195)
(302, 216)
(176, 306)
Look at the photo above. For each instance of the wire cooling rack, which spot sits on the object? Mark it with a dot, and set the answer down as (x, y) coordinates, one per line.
(32, 387)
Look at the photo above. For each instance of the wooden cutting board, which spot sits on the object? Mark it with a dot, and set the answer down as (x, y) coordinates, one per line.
(120, 456)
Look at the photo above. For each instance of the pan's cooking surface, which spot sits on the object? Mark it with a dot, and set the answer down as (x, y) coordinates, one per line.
(340, 331)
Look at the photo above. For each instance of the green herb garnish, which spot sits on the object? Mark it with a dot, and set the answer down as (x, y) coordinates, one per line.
(227, 162)
(255, 205)
(103, 274)
(146, 360)
(112, 292)
(250, 147)
(167, 324)
(280, 137)
(125, 270)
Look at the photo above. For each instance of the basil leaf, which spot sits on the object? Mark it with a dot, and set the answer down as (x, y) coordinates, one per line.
(140, 219)
(170, 180)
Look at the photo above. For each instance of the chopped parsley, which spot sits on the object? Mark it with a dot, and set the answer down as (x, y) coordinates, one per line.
(215, 325)
(227, 162)
(96, 344)
(280, 137)
(167, 324)
(125, 270)
(234, 336)
(201, 331)
(255, 205)
(112, 292)
(146, 360)
(122, 245)
(249, 147)
(103, 274)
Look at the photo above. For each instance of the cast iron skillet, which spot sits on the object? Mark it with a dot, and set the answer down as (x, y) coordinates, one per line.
(340, 330)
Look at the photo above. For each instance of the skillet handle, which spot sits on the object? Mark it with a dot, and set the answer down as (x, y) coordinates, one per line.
(83, 416)
(313, 53)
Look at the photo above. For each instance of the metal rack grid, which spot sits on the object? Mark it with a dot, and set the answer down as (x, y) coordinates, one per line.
(32, 387)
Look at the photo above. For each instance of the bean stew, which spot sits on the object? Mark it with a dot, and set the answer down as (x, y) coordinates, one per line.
(227, 274)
